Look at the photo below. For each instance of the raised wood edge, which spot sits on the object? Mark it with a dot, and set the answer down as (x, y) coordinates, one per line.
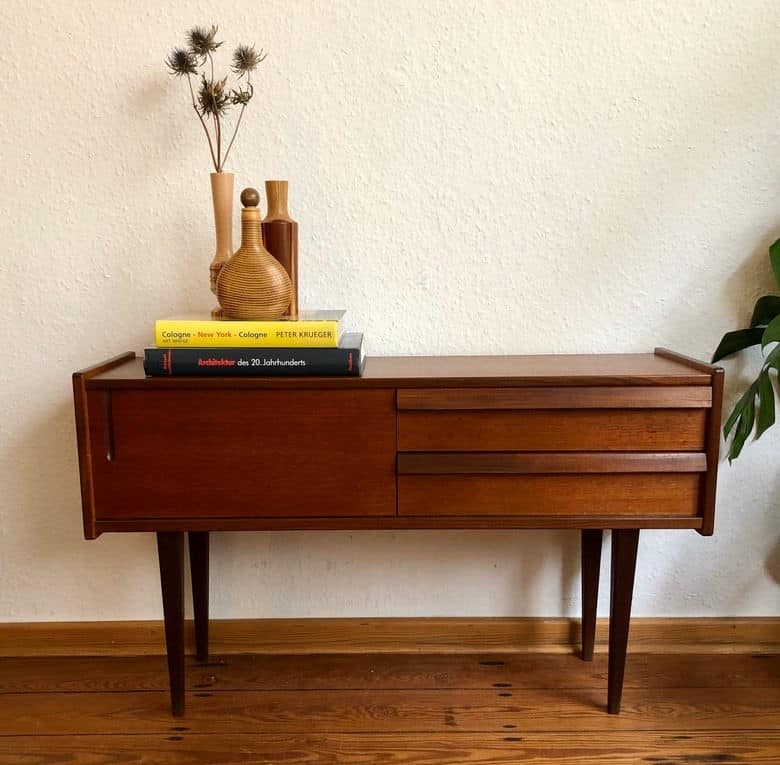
(399, 522)
(712, 439)
(84, 456)
(688, 361)
(391, 635)
(104, 366)
(585, 397)
(712, 446)
(384, 378)
(82, 437)
(476, 463)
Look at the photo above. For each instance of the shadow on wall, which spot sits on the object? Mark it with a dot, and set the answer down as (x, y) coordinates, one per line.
(301, 574)
(46, 568)
(751, 279)
(530, 576)
(46, 472)
(773, 562)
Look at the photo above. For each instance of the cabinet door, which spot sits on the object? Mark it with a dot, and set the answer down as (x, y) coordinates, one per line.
(242, 453)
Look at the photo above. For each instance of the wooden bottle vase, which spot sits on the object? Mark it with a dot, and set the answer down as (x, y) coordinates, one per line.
(280, 236)
(222, 199)
(253, 285)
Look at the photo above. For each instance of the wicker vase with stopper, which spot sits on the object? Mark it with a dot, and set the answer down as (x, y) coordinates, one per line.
(253, 285)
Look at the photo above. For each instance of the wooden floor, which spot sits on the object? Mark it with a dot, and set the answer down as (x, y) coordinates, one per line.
(393, 709)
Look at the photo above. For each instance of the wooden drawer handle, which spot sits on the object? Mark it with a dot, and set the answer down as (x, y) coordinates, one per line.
(452, 463)
(670, 397)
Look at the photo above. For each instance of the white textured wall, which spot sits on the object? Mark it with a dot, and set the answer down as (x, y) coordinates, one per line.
(494, 177)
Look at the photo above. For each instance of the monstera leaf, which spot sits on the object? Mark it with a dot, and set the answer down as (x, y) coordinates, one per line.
(756, 406)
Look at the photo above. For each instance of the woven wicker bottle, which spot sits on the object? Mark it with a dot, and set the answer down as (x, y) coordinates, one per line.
(253, 285)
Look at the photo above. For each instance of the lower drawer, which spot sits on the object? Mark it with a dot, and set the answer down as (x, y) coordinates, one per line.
(646, 494)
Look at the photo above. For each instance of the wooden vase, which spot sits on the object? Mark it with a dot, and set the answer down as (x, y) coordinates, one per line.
(253, 285)
(280, 236)
(222, 199)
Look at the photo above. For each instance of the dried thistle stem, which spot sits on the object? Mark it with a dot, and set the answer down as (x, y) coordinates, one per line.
(214, 97)
(202, 122)
(217, 127)
(238, 121)
(235, 132)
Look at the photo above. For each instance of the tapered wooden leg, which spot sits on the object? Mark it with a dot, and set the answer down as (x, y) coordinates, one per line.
(590, 543)
(170, 550)
(199, 573)
(624, 547)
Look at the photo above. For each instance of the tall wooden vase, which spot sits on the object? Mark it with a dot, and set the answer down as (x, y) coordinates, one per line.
(253, 285)
(222, 198)
(280, 235)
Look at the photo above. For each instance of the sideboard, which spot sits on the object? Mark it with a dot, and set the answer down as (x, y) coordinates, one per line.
(621, 442)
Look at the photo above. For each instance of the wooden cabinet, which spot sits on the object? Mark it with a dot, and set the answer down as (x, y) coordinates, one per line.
(621, 442)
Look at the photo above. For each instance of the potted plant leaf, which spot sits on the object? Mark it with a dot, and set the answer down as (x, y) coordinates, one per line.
(756, 405)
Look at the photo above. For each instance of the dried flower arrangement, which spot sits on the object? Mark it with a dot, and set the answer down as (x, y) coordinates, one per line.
(214, 98)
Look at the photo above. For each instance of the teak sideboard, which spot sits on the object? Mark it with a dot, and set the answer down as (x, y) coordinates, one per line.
(593, 442)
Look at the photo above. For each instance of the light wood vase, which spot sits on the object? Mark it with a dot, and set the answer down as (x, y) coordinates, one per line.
(253, 285)
(222, 198)
(280, 236)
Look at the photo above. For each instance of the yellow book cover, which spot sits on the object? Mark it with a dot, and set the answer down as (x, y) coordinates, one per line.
(312, 329)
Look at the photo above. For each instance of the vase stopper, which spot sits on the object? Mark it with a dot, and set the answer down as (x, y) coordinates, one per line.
(250, 197)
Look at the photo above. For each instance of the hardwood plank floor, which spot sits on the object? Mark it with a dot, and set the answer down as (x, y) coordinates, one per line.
(394, 709)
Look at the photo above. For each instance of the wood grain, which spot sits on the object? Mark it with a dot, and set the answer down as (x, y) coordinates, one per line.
(253, 285)
(293, 454)
(519, 463)
(640, 369)
(672, 397)
(83, 440)
(688, 361)
(655, 430)
(402, 523)
(385, 671)
(408, 709)
(707, 510)
(222, 199)
(447, 635)
(181, 747)
(421, 711)
(640, 494)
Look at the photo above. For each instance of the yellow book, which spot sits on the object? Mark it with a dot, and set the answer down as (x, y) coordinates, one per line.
(312, 329)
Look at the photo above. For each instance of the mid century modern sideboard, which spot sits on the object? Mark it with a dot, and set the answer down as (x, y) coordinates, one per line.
(620, 442)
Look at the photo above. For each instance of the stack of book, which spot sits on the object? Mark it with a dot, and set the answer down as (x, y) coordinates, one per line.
(311, 345)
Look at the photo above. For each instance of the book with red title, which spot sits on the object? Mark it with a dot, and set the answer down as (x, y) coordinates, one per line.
(345, 359)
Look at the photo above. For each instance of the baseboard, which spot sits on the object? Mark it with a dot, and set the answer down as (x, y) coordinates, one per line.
(387, 635)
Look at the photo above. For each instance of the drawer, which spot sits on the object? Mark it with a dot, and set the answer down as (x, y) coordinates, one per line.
(553, 430)
(242, 453)
(623, 494)
(546, 484)
(593, 418)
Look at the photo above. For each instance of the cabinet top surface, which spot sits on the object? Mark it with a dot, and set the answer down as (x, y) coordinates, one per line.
(447, 371)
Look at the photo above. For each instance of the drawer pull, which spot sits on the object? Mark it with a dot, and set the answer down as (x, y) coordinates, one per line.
(475, 463)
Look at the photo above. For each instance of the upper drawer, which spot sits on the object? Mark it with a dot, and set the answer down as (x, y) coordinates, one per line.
(553, 419)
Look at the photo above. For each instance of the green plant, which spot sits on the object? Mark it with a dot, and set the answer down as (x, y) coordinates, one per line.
(756, 406)
(214, 98)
